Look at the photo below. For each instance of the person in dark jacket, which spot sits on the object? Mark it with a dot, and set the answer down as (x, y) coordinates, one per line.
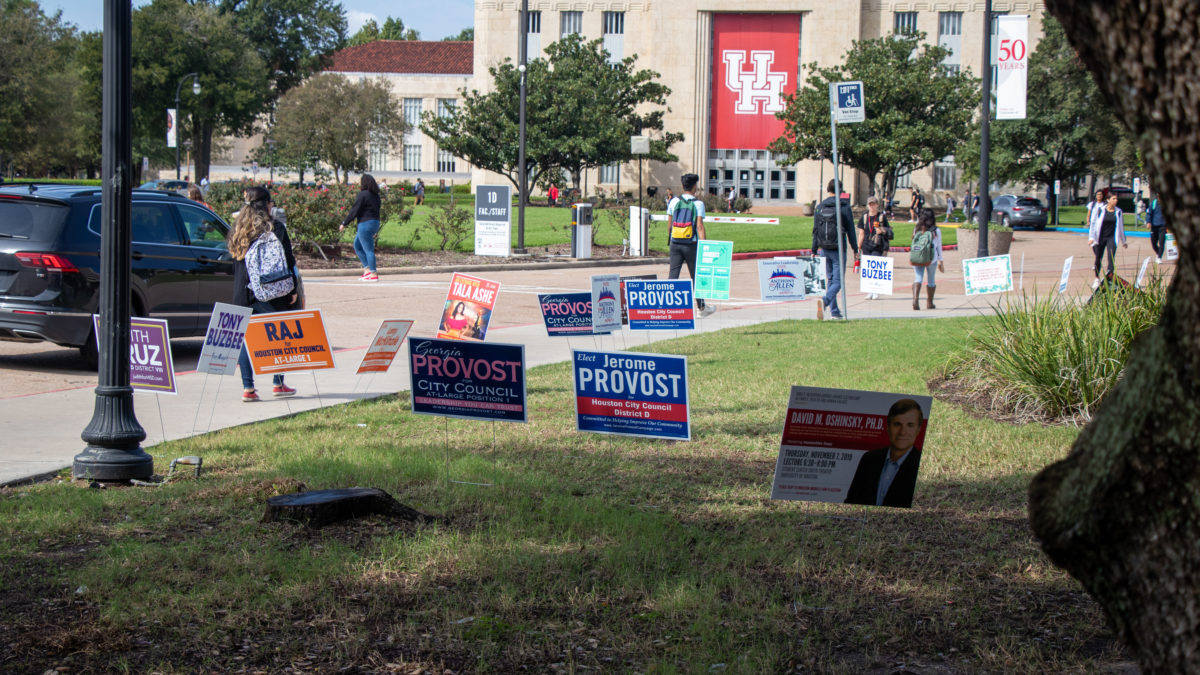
(888, 476)
(366, 210)
(1158, 226)
(253, 221)
(825, 245)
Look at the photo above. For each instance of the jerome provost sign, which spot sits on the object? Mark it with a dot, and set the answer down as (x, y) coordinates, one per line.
(632, 394)
(470, 380)
(660, 305)
(287, 341)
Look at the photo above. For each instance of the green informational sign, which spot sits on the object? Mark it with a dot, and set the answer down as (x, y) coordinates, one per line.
(714, 262)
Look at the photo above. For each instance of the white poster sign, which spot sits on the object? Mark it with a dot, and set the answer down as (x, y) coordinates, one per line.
(171, 120)
(846, 100)
(493, 220)
(1012, 61)
(606, 304)
(1171, 251)
(1066, 274)
(876, 275)
(988, 275)
(223, 339)
(1142, 273)
(780, 279)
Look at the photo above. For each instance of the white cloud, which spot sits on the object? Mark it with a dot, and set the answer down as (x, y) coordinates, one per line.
(355, 20)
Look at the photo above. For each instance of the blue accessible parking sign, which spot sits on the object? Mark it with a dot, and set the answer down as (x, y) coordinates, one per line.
(848, 102)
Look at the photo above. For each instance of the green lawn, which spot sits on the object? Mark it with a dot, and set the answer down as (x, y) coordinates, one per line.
(545, 226)
(594, 552)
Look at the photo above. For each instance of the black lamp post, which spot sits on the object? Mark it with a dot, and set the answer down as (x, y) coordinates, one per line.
(523, 189)
(196, 92)
(985, 145)
(114, 436)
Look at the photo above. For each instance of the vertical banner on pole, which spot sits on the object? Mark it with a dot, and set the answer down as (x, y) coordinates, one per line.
(171, 127)
(1012, 61)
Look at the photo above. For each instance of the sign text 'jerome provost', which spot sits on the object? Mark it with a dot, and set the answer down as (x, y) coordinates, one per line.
(287, 341)
(632, 394)
(472, 380)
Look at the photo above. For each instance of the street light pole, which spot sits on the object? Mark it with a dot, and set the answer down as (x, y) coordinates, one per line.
(985, 146)
(195, 91)
(114, 436)
(523, 191)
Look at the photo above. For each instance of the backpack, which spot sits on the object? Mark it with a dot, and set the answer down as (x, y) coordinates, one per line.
(683, 220)
(921, 252)
(266, 267)
(825, 227)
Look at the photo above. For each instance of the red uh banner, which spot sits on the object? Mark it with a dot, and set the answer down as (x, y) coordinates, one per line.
(755, 62)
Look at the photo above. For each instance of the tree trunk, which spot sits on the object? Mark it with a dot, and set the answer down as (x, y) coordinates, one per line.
(202, 133)
(1122, 512)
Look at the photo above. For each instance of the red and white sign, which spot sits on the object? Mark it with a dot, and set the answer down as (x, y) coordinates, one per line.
(735, 219)
(1012, 61)
(755, 60)
(385, 346)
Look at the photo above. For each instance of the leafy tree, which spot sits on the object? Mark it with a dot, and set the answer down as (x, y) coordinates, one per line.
(393, 29)
(295, 38)
(467, 35)
(917, 112)
(580, 112)
(335, 121)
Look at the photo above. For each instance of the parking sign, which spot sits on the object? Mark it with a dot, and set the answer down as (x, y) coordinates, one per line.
(846, 100)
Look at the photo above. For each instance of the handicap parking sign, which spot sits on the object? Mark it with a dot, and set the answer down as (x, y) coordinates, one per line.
(846, 99)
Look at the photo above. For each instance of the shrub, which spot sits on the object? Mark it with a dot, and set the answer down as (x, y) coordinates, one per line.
(452, 223)
(1052, 359)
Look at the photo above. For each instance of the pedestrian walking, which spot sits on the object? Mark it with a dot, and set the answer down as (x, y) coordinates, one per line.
(915, 205)
(1158, 227)
(1106, 230)
(419, 191)
(876, 233)
(925, 254)
(950, 204)
(1139, 211)
(825, 244)
(731, 199)
(1094, 205)
(366, 210)
(553, 194)
(686, 216)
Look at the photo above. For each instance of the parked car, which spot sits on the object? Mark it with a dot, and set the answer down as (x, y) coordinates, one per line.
(50, 263)
(164, 185)
(1011, 210)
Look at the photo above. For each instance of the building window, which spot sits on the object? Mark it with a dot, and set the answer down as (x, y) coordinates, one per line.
(445, 107)
(950, 37)
(572, 23)
(945, 174)
(445, 162)
(614, 36)
(412, 112)
(903, 181)
(950, 23)
(533, 37)
(995, 49)
(906, 23)
(610, 173)
(412, 158)
(377, 157)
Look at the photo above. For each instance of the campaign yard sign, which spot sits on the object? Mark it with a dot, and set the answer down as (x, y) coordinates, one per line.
(223, 339)
(621, 294)
(660, 305)
(988, 275)
(385, 346)
(780, 279)
(606, 308)
(469, 305)
(1066, 274)
(567, 314)
(632, 394)
(714, 265)
(287, 341)
(852, 447)
(469, 380)
(876, 274)
(150, 366)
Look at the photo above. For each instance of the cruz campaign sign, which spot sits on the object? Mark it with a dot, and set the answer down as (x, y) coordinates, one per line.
(150, 366)
(223, 340)
(471, 380)
(567, 314)
(660, 305)
(287, 341)
(632, 394)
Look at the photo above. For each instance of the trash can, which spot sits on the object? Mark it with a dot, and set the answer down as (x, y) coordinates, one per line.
(639, 231)
(581, 230)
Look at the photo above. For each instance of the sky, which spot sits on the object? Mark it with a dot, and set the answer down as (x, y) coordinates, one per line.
(434, 20)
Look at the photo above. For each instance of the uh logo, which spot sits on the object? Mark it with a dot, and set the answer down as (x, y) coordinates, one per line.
(759, 85)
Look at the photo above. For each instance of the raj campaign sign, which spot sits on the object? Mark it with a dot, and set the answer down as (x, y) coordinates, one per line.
(632, 394)
(567, 314)
(469, 305)
(606, 308)
(1011, 59)
(287, 341)
(714, 263)
(493, 220)
(150, 366)
(988, 275)
(660, 305)
(876, 275)
(223, 339)
(385, 346)
(470, 380)
(780, 279)
(852, 447)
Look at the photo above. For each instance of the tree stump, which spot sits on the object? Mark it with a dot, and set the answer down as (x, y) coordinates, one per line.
(323, 507)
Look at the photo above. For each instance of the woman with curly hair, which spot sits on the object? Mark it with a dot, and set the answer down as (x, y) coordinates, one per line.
(252, 222)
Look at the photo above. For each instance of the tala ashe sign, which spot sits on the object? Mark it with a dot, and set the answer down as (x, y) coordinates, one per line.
(755, 59)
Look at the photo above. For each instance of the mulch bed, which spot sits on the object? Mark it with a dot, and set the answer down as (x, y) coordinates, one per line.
(342, 257)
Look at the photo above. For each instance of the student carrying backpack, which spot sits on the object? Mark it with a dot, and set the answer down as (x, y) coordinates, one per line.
(686, 214)
(267, 270)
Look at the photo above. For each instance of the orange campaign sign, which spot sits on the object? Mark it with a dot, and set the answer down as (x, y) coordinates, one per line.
(287, 341)
(385, 346)
(468, 309)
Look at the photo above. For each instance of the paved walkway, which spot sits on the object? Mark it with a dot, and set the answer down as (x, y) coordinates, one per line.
(41, 432)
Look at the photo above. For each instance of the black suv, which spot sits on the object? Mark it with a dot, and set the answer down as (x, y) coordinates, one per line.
(50, 263)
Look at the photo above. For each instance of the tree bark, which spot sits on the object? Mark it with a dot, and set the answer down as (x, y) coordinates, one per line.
(1122, 512)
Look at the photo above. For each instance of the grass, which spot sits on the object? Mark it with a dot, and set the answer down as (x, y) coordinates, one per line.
(600, 552)
(546, 226)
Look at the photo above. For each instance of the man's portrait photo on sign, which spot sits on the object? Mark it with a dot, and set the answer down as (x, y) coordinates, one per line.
(888, 476)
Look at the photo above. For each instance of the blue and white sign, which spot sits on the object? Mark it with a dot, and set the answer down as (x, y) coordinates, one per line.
(567, 314)
(846, 99)
(606, 303)
(223, 339)
(876, 274)
(493, 220)
(780, 279)
(470, 380)
(632, 394)
(1066, 274)
(660, 305)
